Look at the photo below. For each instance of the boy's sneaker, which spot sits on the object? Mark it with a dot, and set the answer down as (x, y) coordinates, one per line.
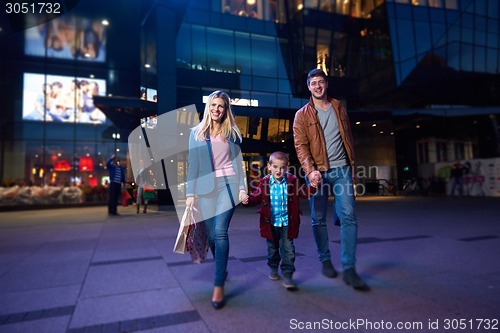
(288, 283)
(328, 270)
(273, 274)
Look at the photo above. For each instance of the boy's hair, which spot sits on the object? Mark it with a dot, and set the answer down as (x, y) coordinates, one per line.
(314, 73)
(278, 155)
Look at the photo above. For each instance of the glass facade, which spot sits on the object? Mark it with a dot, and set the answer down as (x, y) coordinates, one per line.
(384, 56)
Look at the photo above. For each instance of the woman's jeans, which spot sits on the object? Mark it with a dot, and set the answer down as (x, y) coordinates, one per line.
(336, 181)
(217, 208)
(281, 249)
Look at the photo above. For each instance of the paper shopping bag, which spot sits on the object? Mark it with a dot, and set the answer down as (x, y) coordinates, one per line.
(180, 241)
(197, 240)
(125, 198)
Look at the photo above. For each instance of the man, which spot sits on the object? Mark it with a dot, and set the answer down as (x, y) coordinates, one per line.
(116, 180)
(324, 145)
(456, 176)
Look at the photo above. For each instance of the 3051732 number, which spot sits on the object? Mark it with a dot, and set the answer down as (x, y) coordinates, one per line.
(470, 324)
(32, 8)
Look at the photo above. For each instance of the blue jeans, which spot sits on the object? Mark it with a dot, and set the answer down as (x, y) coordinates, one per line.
(216, 209)
(281, 249)
(336, 181)
(457, 181)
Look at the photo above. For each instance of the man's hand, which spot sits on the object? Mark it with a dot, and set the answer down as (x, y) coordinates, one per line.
(314, 178)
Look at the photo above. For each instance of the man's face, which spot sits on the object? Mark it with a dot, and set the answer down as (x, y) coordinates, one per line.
(277, 168)
(318, 86)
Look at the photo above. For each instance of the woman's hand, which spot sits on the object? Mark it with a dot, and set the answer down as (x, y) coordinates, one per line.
(190, 202)
(243, 197)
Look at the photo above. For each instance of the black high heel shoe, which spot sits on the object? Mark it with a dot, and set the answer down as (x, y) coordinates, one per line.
(218, 305)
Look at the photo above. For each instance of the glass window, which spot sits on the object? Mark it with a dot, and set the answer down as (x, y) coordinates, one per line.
(278, 130)
(265, 99)
(283, 101)
(466, 63)
(492, 40)
(265, 84)
(435, 3)
(423, 152)
(480, 7)
(407, 67)
(220, 50)
(264, 56)
(199, 47)
(453, 57)
(451, 4)
(493, 9)
(243, 54)
(491, 61)
(406, 39)
(479, 59)
(459, 150)
(183, 50)
(439, 34)
(441, 151)
(422, 36)
(467, 35)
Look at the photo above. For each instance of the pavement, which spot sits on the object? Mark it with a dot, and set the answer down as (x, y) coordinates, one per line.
(432, 265)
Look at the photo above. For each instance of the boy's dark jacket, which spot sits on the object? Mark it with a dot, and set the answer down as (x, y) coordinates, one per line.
(261, 195)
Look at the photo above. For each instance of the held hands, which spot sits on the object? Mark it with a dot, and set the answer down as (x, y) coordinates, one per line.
(243, 197)
(314, 178)
(190, 203)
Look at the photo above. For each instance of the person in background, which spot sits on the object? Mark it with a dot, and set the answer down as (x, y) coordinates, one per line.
(216, 180)
(116, 183)
(457, 178)
(325, 148)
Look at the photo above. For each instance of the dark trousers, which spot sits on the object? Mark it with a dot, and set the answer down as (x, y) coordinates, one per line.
(115, 190)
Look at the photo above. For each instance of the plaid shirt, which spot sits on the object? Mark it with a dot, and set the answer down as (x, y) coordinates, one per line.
(279, 207)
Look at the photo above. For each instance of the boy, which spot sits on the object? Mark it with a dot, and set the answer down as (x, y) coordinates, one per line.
(279, 194)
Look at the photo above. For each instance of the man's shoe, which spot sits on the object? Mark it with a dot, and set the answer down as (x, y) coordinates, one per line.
(288, 283)
(273, 274)
(328, 270)
(352, 278)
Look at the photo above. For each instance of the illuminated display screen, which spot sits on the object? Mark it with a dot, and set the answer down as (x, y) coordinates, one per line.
(62, 98)
(67, 37)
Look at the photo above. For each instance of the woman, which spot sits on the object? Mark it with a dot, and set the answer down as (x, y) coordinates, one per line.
(216, 180)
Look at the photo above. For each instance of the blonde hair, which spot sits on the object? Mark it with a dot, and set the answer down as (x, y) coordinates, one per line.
(228, 124)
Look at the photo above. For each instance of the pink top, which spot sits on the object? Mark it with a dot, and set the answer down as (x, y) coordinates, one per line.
(222, 160)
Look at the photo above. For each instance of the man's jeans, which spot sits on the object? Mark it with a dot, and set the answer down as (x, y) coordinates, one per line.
(336, 181)
(281, 249)
(217, 208)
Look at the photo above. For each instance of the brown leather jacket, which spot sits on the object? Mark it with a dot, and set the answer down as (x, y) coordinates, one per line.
(310, 141)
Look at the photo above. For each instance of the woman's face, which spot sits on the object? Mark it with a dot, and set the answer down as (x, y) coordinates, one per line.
(217, 110)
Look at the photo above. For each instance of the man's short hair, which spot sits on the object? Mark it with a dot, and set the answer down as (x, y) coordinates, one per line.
(278, 155)
(314, 73)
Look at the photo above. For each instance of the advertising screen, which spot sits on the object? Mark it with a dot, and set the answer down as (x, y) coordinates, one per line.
(67, 37)
(62, 98)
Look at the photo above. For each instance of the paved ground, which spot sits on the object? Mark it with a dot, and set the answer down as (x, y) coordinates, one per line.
(431, 263)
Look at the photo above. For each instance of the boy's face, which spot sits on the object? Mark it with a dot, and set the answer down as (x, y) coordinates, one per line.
(277, 168)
